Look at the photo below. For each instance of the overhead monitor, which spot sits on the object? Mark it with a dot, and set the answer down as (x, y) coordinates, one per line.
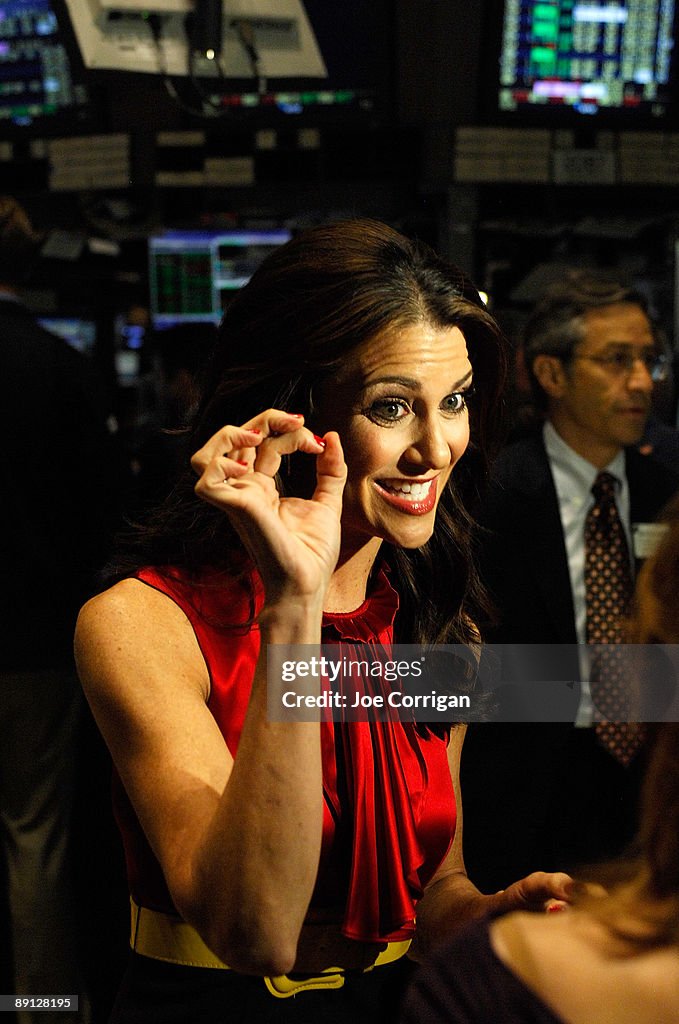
(41, 83)
(193, 274)
(358, 52)
(129, 35)
(609, 59)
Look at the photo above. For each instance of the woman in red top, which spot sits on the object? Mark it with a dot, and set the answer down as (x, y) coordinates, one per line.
(276, 858)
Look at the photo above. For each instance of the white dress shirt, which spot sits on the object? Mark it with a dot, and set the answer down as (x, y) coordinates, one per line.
(573, 479)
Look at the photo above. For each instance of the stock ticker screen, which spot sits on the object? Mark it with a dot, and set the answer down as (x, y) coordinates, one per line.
(193, 274)
(37, 84)
(593, 58)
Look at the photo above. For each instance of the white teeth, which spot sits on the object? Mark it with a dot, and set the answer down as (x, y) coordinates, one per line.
(415, 490)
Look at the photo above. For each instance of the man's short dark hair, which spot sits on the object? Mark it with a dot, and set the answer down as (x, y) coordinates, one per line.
(557, 322)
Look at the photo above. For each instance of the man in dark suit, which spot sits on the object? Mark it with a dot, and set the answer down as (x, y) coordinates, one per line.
(551, 796)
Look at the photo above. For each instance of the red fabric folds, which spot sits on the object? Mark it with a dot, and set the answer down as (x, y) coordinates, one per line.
(390, 811)
(399, 792)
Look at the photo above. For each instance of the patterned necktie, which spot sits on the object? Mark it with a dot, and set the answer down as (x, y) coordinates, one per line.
(608, 593)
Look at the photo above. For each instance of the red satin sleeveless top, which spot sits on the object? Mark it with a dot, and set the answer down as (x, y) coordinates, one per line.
(389, 805)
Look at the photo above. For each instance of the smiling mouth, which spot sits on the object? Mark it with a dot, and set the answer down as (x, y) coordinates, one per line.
(416, 497)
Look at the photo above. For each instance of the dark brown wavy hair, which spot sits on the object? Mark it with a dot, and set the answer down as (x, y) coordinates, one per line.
(287, 333)
(642, 907)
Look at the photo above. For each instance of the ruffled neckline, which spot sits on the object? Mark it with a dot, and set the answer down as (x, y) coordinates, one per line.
(370, 619)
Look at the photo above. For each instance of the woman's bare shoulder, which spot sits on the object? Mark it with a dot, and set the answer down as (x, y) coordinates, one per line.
(131, 602)
(572, 963)
(133, 623)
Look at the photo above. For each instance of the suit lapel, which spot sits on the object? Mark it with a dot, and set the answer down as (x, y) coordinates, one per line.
(645, 503)
(545, 546)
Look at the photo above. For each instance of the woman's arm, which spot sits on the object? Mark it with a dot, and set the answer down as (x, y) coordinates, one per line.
(238, 841)
(451, 899)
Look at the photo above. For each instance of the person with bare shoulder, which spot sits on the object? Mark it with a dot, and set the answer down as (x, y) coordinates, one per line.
(276, 857)
(613, 956)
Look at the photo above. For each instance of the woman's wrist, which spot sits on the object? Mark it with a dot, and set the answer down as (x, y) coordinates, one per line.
(292, 620)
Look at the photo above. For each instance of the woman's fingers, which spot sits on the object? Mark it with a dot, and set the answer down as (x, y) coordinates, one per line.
(275, 421)
(261, 443)
(331, 473)
(282, 433)
(229, 441)
(219, 472)
(294, 542)
(268, 456)
(540, 890)
(240, 456)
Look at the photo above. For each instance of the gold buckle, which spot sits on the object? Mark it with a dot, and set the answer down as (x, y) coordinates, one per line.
(284, 986)
(166, 937)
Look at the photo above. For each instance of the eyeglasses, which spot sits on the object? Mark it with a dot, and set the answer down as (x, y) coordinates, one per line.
(621, 364)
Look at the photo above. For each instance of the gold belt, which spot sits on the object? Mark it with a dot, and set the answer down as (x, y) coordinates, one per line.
(166, 937)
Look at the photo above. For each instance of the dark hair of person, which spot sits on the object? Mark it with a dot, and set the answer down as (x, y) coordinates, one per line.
(557, 323)
(183, 352)
(642, 907)
(284, 336)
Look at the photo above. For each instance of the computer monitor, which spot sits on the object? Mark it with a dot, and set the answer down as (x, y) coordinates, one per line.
(80, 334)
(41, 83)
(562, 61)
(193, 274)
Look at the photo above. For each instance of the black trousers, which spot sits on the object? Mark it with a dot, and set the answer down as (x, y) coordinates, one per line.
(169, 994)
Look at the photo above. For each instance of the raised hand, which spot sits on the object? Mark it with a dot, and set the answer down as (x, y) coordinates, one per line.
(293, 542)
